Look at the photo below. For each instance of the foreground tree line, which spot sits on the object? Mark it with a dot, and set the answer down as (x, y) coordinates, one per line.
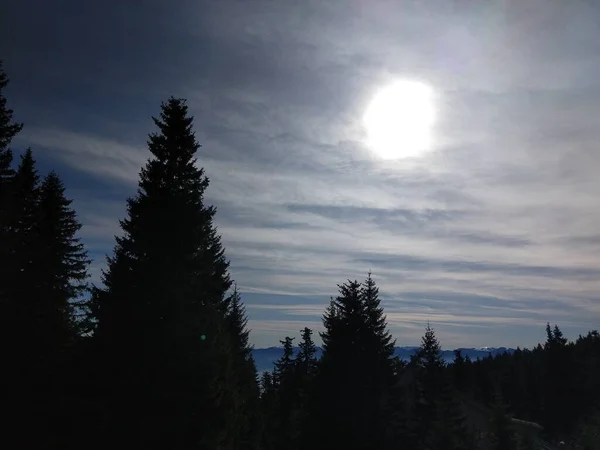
(159, 355)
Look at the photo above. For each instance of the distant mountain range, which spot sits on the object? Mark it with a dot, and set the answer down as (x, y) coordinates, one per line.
(265, 357)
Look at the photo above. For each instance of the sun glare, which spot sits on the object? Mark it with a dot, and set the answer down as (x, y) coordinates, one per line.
(399, 120)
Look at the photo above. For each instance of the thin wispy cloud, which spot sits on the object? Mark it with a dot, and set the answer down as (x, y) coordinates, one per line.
(488, 236)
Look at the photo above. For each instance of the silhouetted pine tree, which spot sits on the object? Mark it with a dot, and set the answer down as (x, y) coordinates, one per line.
(60, 266)
(246, 377)
(285, 380)
(306, 361)
(22, 246)
(306, 370)
(60, 270)
(269, 407)
(168, 369)
(427, 365)
(437, 414)
(429, 355)
(278, 401)
(557, 382)
(21, 348)
(355, 371)
(379, 361)
(335, 408)
(8, 129)
(377, 334)
(284, 367)
(47, 268)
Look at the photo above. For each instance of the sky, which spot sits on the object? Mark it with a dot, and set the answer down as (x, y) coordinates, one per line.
(489, 235)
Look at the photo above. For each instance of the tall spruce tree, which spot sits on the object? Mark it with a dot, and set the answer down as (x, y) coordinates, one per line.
(284, 366)
(376, 325)
(8, 130)
(427, 364)
(168, 367)
(306, 370)
(46, 274)
(355, 371)
(286, 384)
(22, 246)
(60, 266)
(60, 271)
(19, 339)
(438, 421)
(379, 358)
(269, 407)
(306, 360)
(429, 355)
(245, 374)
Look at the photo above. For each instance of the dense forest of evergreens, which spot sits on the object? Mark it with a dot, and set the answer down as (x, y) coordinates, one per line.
(159, 355)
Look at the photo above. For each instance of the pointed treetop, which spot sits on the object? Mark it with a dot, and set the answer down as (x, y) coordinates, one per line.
(284, 366)
(549, 336)
(430, 352)
(27, 163)
(62, 255)
(173, 169)
(53, 180)
(344, 316)
(26, 178)
(458, 357)
(375, 318)
(555, 337)
(558, 336)
(176, 138)
(306, 356)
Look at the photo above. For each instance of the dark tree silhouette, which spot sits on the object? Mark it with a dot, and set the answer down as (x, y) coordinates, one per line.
(437, 419)
(60, 274)
(22, 349)
(269, 406)
(247, 392)
(306, 370)
(284, 366)
(46, 269)
(355, 373)
(306, 360)
(167, 353)
(60, 266)
(19, 284)
(8, 130)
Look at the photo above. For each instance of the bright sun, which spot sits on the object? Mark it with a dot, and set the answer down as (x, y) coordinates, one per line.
(399, 120)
